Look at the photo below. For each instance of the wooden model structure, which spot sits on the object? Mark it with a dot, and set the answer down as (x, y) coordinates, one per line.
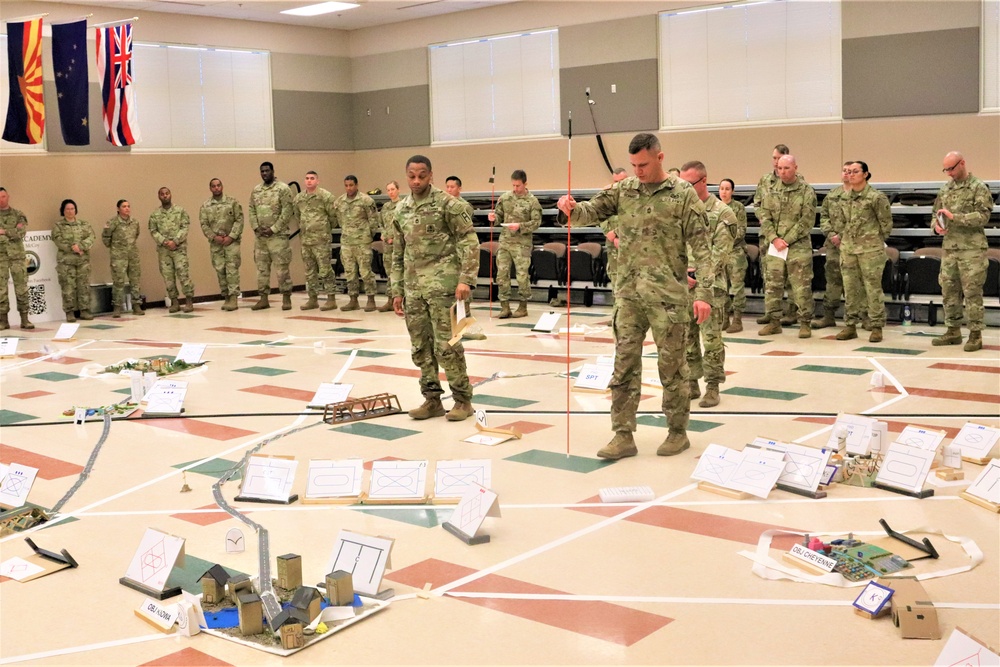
(357, 409)
(340, 588)
(239, 584)
(307, 600)
(289, 571)
(251, 613)
(22, 518)
(213, 585)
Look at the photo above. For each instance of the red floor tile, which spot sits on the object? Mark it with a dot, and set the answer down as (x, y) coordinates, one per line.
(187, 657)
(781, 353)
(523, 427)
(252, 332)
(367, 465)
(31, 394)
(204, 518)
(266, 355)
(196, 427)
(281, 392)
(408, 372)
(31, 355)
(966, 367)
(150, 343)
(48, 468)
(551, 358)
(357, 341)
(893, 426)
(319, 318)
(600, 620)
(67, 361)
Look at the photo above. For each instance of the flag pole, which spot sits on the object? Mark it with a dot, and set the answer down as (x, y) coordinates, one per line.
(493, 194)
(108, 24)
(569, 228)
(29, 17)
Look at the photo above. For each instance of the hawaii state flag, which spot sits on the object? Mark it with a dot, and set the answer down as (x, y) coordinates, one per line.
(114, 66)
(26, 108)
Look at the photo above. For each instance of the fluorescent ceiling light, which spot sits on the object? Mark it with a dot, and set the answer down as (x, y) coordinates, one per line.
(321, 8)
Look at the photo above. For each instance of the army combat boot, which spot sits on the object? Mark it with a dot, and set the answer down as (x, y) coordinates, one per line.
(352, 304)
(387, 307)
(462, 410)
(431, 408)
(675, 443)
(25, 324)
(694, 391)
(188, 303)
(620, 447)
(330, 303)
(876, 335)
(773, 327)
(370, 305)
(262, 301)
(116, 313)
(711, 398)
(764, 319)
(310, 304)
(736, 324)
(975, 341)
(286, 300)
(137, 308)
(828, 319)
(86, 315)
(849, 332)
(805, 331)
(230, 304)
(175, 305)
(953, 336)
(70, 317)
(522, 310)
(504, 310)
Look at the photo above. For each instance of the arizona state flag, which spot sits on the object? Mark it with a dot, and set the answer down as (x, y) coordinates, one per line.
(69, 60)
(26, 109)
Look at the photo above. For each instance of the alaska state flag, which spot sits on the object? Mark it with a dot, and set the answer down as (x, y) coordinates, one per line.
(69, 60)
(26, 108)
(114, 68)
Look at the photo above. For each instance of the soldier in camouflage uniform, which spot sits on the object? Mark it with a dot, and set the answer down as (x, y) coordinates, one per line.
(386, 215)
(121, 236)
(168, 225)
(659, 218)
(270, 213)
(723, 229)
(766, 182)
(960, 213)
(736, 269)
(519, 214)
(787, 214)
(13, 261)
(221, 220)
(866, 224)
(434, 265)
(831, 224)
(316, 214)
(358, 219)
(608, 227)
(453, 186)
(73, 238)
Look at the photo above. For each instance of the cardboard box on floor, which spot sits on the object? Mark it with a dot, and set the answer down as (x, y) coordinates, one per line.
(912, 611)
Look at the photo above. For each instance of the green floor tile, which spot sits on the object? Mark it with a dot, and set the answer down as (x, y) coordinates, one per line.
(101, 327)
(214, 468)
(651, 420)
(183, 316)
(423, 517)
(517, 325)
(925, 334)
(699, 426)
(574, 313)
(188, 576)
(746, 341)
(53, 376)
(160, 356)
(538, 457)
(371, 354)
(10, 417)
(888, 350)
(271, 343)
(812, 368)
(501, 401)
(763, 393)
(127, 391)
(263, 370)
(351, 330)
(377, 431)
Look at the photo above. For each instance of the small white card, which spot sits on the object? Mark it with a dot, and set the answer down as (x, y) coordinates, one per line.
(873, 598)
(18, 568)
(460, 313)
(327, 478)
(594, 377)
(547, 322)
(758, 472)
(330, 392)
(921, 437)
(398, 480)
(453, 479)
(15, 484)
(716, 464)
(814, 558)
(66, 331)
(976, 441)
(774, 252)
(905, 467)
(162, 616)
(477, 504)
(487, 439)
(366, 557)
(154, 559)
(8, 346)
(166, 397)
(962, 649)
(137, 386)
(859, 433)
(269, 478)
(191, 352)
(987, 484)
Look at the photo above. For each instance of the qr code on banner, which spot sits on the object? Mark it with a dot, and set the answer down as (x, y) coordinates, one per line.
(36, 299)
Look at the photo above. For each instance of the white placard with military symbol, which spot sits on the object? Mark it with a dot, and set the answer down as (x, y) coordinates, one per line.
(594, 377)
(477, 504)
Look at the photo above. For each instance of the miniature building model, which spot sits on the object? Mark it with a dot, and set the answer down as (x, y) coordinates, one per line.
(239, 584)
(291, 635)
(307, 599)
(251, 613)
(289, 571)
(213, 585)
(340, 588)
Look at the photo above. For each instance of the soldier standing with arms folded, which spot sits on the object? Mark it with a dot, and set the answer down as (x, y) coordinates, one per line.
(13, 225)
(736, 269)
(960, 213)
(73, 238)
(386, 215)
(221, 220)
(270, 213)
(434, 265)
(520, 214)
(168, 225)
(787, 213)
(659, 218)
(866, 224)
(121, 236)
(315, 211)
(357, 216)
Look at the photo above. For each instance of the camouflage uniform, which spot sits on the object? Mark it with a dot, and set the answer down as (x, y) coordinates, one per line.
(271, 209)
(358, 218)
(121, 236)
(831, 223)
(437, 249)
(788, 212)
(467, 207)
(516, 246)
(765, 184)
(73, 269)
(13, 260)
(736, 268)
(171, 224)
(224, 217)
(867, 223)
(964, 264)
(386, 215)
(722, 230)
(656, 225)
(316, 216)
